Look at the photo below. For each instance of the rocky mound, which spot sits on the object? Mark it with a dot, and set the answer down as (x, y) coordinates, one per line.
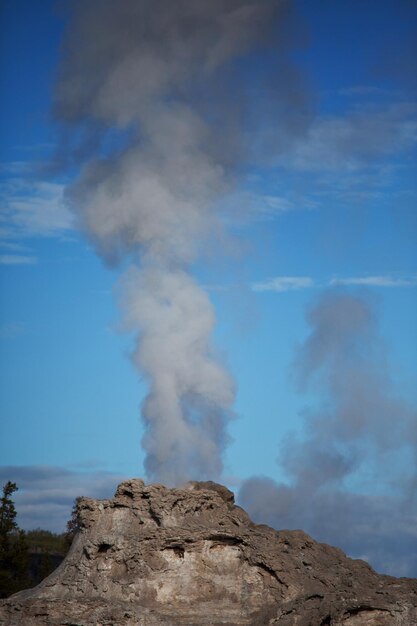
(189, 556)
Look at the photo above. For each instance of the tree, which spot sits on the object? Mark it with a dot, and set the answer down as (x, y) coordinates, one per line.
(14, 557)
(7, 510)
(73, 524)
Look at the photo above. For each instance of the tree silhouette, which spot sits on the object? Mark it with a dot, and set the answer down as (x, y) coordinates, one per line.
(73, 524)
(14, 557)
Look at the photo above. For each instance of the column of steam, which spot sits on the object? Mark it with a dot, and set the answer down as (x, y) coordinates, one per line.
(148, 70)
(154, 204)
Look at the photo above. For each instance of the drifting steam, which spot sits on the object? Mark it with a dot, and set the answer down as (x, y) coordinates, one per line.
(155, 103)
(361, 439)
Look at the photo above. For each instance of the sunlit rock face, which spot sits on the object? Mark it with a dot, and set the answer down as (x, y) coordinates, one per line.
(189, 556)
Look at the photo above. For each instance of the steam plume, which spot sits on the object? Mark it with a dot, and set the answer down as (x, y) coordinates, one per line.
(154, 101)
(342, 485)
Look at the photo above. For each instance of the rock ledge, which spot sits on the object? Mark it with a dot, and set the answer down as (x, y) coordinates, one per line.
(158, 556)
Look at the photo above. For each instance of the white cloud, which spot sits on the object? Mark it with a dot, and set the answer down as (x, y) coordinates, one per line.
(31, 207)
(14, 247)
(275, 204)
(348, 143)
(376, 281)
(17, 259)
(361, 157)
(244, 207)
(284, 283)
(291, 283)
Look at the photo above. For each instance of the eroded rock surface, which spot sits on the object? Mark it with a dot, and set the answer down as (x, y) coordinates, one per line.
(189, 556)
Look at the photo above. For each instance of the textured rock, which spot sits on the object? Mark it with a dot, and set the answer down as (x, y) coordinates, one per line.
(189, 556)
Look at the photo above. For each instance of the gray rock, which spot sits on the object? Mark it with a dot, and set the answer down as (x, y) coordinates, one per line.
(189, 556)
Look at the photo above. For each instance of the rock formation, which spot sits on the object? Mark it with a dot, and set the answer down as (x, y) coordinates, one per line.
(157, 556)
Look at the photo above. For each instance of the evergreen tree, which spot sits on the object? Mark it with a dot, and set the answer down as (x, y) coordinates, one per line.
(14, 558)
(73, 524)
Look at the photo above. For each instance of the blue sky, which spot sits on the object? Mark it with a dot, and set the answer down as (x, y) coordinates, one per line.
(329, 209)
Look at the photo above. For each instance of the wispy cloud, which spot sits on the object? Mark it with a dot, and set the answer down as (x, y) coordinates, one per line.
(244, 207)
(13, 246)
(356, 139)
(274, 204)
(375, 281)
(17, 259)
(361, 156)
(284, 283)
(30, 207)
(292, 283)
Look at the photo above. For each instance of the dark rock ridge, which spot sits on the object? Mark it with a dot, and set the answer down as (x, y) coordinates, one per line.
(189, 556)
